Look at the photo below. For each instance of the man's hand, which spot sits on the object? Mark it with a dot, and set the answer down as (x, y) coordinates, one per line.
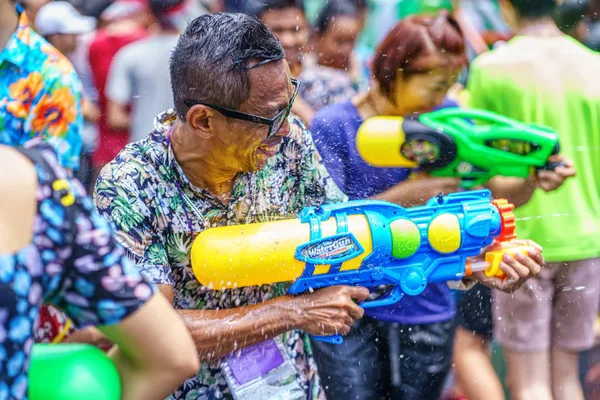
(517, 269)
(552, 180)
(331, 310)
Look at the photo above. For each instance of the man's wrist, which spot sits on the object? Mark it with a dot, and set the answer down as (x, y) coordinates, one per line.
(289, 309)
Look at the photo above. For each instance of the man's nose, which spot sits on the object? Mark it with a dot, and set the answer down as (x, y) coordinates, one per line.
(284, 130)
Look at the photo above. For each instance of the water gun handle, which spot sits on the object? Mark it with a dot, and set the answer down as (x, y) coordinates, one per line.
(391, 297)
(491, 265)
(551, 166)
(333, 339)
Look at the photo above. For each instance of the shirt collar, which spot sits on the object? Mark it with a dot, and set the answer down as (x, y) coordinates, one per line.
(17, 48)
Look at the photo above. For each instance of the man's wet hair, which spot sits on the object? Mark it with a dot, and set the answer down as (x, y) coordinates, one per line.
(212, 58)
(534, 8)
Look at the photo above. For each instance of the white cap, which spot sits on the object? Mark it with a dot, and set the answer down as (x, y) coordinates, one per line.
(61, 17)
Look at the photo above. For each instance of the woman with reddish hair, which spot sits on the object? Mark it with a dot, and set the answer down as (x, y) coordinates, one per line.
(414, 67)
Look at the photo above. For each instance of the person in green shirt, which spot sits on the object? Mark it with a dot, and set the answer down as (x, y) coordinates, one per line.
(543, 76)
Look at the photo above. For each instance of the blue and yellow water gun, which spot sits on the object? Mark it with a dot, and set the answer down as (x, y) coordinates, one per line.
(363, 243)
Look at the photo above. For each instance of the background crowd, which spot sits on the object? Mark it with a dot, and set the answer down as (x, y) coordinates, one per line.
(342, 53)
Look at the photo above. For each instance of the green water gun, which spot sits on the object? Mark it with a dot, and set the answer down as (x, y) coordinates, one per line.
(72, 372)
(471, 144)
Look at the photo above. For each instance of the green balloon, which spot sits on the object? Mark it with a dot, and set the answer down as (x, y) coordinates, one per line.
(72, 372)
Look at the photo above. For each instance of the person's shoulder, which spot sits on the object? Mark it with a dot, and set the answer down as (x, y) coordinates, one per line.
(53, 67)
(17, 198)
(494, 56)
(17, 174)
(137, 49)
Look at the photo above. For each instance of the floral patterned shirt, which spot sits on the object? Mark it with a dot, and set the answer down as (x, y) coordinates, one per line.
(72, 262)
(40, 95)
(138, 193)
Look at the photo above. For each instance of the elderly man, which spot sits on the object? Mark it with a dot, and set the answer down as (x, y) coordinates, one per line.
(229, 154)
(212, 161)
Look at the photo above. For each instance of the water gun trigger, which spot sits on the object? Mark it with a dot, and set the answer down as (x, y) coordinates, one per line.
(551, 166)
(387, 299)
(493, 258)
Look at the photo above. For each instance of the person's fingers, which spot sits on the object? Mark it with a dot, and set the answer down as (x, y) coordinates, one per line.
(348, 320)
(547, 186)
(549, 180)
(529, 262)
(566, 171)
(358, 293)
(557, 158)
(538, 258)
(519, 268)
(529, 242)
(355, 310)
(511, 274)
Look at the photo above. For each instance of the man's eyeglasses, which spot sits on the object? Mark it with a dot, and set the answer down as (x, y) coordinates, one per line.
(274, 123)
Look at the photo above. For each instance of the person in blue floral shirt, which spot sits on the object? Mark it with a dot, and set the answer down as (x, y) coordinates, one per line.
(40, 97)
(55, 248)
(331, 73)
(40, 93)
(228, 154)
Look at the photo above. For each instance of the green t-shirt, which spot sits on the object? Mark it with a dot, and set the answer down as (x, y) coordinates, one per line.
(551, 81)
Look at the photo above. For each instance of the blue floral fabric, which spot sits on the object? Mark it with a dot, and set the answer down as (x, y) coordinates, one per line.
(72, 262)
(40, 95)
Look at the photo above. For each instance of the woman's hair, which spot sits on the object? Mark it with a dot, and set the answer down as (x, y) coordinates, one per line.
(412, 42)
(333, 9)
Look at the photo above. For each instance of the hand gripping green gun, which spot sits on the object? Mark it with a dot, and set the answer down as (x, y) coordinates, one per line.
(473, 145)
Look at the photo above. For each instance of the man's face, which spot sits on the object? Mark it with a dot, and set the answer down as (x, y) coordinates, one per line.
(243, 145)
(291, 28)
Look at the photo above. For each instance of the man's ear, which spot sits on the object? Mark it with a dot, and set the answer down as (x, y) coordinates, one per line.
(201, 119)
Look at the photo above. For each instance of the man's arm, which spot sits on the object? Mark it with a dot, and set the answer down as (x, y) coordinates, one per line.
(217, 333)
(119, 89)
(154, 352)
(118, 116)
(519, 191)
